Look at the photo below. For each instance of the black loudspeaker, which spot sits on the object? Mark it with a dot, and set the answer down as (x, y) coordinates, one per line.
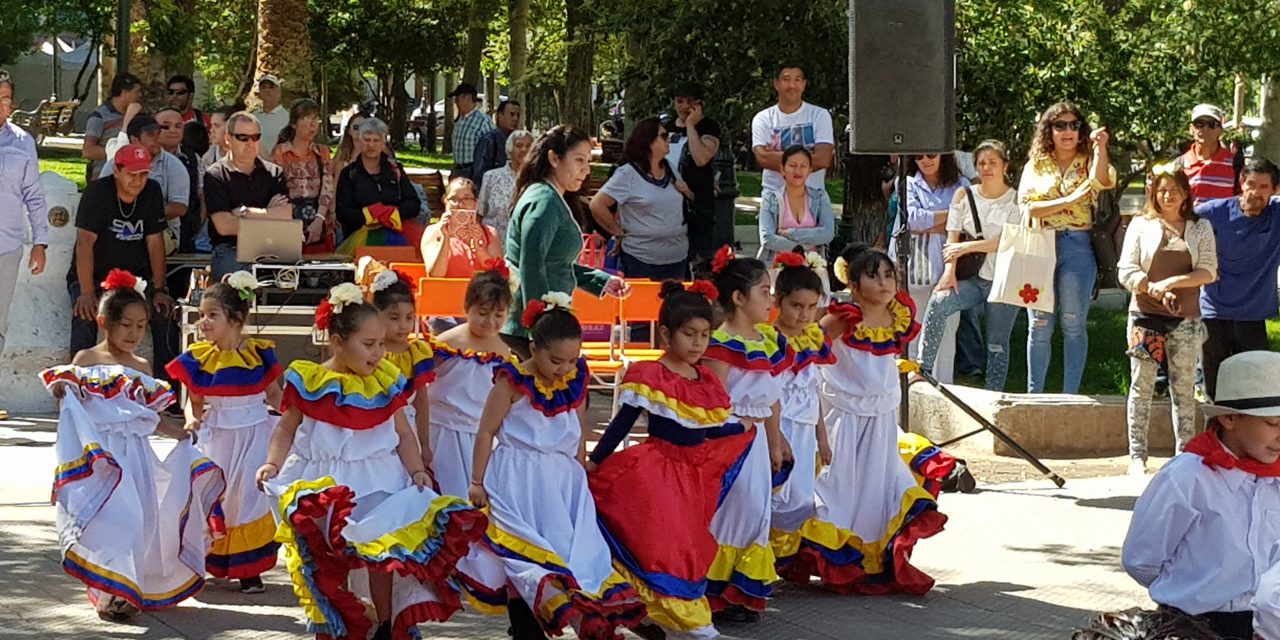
(902, 96)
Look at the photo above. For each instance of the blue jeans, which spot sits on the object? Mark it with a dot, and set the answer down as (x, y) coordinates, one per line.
(970, 294)
(223, 261)
(970, 356)
(1073, 293)
(634, 268)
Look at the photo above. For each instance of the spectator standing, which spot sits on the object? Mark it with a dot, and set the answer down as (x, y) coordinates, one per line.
(307, 171)
(1168, 254)
(272, 116)
(217, 135)
(1236, 306)
(792, 122)
(1068, 167)
(460, 244)
(120, 224)
(21, 197)
(798, 215)
(491, 149)
(650, 204)
(108, 120)
(182, 94)
(1209, 166)
(498, 192)
(166, 168)
(470, 125)
(695, 141)
(375, 197)
(238, 186)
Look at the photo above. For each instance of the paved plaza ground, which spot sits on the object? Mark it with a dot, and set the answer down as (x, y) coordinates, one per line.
(1020, 560)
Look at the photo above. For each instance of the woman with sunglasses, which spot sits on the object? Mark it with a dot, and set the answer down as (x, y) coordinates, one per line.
(649, 199)
(1069, 166)
(930, 190)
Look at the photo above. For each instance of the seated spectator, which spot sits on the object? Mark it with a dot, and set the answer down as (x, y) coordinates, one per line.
(798, 214)
(650, 218)
(498, 192)
(120, 225)
(460, 244)
(306, 171)
(241, 185)
(217, 135)
(375, 197)
(166, 168)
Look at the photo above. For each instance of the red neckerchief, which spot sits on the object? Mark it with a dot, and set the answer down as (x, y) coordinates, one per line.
(1208, 446)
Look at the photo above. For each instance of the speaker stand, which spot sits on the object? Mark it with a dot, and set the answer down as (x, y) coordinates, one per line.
(902, 240)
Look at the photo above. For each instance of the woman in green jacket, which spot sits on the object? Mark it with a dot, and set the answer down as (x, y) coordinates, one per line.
(543, 239)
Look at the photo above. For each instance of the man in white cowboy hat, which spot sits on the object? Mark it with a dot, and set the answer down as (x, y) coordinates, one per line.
(1206, 528)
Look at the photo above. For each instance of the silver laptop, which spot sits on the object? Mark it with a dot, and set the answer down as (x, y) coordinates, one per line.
(263, 240)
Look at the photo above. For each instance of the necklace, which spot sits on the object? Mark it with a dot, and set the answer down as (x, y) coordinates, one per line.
(132, 209)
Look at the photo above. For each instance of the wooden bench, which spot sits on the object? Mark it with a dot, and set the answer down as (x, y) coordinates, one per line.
(592, 185)
(48, 119)
(432, 183)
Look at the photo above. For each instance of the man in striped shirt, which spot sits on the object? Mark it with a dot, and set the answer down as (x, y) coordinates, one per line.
(1210, 167)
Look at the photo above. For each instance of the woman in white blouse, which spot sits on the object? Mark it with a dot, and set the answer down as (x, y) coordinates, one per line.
(498, 189)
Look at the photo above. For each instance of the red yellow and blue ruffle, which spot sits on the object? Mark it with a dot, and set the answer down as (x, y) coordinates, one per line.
(812, 347)
(770, 353)
(246, 551)
(929, 464)
(343, 399)
(694, 404)
(417, 363)
(565, 394)
(847, 564)
(445, 351)
(207, 370)
(561, 601)
(95, 457)
(880, 341)
(741, 577)
(149, 392)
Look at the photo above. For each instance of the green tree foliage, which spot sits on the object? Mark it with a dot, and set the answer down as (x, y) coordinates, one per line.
(25, 20)
(225, 46)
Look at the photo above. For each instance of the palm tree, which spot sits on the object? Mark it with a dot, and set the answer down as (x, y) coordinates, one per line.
(284, 46)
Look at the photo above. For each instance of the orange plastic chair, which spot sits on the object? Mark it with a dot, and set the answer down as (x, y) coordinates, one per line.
(388, 255)
(602, 357)
(642, 306)
(415, 270)
(441, 297)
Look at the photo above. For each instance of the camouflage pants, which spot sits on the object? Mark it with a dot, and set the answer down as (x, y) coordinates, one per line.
(1182, 350)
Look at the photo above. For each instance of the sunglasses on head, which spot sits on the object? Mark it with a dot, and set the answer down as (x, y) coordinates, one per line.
(178, 92)
(1205, 123)
(247, 137)
(1065, 125)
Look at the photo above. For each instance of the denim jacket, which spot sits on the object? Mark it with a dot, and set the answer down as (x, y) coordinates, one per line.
(820, 235)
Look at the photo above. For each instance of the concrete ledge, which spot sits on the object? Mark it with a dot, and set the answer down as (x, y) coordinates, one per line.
(1047, 425)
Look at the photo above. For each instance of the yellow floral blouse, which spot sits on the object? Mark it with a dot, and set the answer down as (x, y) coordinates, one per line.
(1042, 180)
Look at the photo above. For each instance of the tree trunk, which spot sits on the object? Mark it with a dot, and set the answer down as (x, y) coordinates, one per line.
(397, 106)
(518, 19)
(447, 143)
(491, 94)
(477, 36)
(575, 103)
(284, 46)
(1269, 141)
(1237, 103)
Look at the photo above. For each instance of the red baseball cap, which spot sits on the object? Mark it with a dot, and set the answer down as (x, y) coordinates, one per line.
(133, 158)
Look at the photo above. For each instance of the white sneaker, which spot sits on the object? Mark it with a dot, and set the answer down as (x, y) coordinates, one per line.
(1138, 467)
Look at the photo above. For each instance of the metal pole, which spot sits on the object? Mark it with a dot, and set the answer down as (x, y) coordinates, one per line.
(902, 237)
(122, 38)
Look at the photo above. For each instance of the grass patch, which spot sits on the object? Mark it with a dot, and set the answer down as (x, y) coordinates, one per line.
(64, 162)
(749, 186)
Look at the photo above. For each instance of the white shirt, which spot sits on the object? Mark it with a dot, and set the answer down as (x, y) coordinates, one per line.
(1201, 538)
(994, 214)
(271, 122)
(1266, 605)
(808, 126)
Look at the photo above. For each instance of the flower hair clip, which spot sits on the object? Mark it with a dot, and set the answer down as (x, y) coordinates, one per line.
(548, 302)
(723, 257)
(387, 278)
(118, 279)
(498, 266)
(815, 261)
(789, 259)
(842, 270)
(705, 289)
(341, 296)
(244, 283)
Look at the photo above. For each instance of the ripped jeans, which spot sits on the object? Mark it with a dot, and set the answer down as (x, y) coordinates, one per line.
(1000, 317)
(1073, 293)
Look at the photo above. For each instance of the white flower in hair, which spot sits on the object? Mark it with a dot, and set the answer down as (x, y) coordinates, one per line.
(558, 300)
(815, 261)
(345, 294)
(383, 280)
(243, 281)
(140, 285)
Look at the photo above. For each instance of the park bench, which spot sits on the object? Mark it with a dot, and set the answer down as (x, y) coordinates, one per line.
(432, 183)
(50, 118)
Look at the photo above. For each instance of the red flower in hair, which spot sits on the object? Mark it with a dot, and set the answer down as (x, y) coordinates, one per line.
(324, 312)
(723, 256)
(119, 279)
(498, 266)
(705, 288)
(532, 311)
(408, 282)
(789, 259)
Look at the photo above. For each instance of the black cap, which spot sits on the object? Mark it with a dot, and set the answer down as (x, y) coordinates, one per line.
(141, 124)
(690, 90)
(465, 89)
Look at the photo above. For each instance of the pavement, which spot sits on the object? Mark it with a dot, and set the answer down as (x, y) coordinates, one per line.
(1019, 561)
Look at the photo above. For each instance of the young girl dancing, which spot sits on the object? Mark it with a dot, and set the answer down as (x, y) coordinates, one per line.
(678, 475)
(467, 356)
(797, 294)
(748, 355)
(352, 495)
(870, 510)
(231, 381)
(134, 529)
(392, 295)
(542, 518)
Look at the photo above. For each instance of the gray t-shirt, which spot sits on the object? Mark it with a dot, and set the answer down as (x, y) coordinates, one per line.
(652, 216)
(103, 124)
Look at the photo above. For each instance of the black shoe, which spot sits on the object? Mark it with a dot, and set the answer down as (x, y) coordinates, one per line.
(650, 631)
(252, 585)
(383, 632)
(1162, 388)
(735, 613)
